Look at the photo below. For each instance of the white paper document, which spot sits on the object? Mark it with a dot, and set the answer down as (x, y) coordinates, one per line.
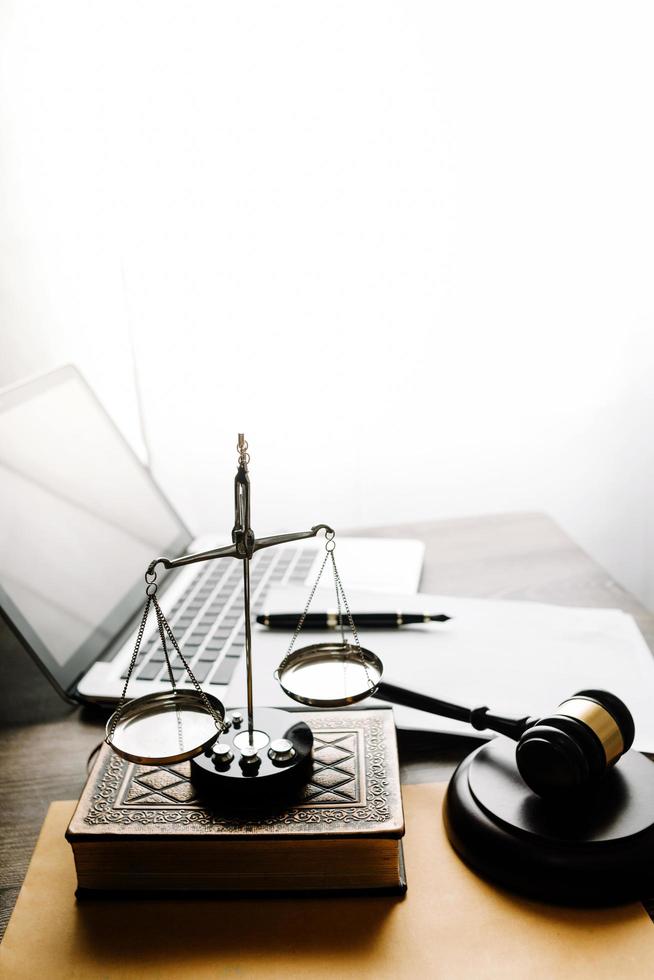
(514, 657)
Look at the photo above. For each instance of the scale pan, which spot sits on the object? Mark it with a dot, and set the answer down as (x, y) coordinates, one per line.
(330, 675)
(169, 726)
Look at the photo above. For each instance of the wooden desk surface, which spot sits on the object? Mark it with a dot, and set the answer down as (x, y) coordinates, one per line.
(44, 743)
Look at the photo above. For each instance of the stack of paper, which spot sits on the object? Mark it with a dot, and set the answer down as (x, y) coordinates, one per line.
(514, 657)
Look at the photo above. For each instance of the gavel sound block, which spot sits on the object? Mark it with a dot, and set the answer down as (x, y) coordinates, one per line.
(545, 811)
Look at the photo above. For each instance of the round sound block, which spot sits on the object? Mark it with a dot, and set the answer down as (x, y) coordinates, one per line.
(595, 850)
(229, 778)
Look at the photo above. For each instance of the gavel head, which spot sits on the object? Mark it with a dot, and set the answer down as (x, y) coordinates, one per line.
(572, 749)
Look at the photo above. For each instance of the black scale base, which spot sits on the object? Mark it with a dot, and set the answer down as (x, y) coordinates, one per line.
(598, 850)
(262, 783)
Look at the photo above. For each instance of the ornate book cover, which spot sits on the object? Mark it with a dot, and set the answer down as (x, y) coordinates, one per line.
(354, 789)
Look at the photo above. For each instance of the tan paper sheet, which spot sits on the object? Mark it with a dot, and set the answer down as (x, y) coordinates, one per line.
(450, 925)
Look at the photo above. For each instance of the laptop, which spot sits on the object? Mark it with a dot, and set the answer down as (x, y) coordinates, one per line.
(80, 519)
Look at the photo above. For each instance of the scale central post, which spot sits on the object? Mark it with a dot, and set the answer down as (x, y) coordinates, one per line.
(245, 545)
(248, 648)
(244, 540)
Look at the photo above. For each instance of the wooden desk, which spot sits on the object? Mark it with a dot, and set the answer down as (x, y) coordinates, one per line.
(43, 752)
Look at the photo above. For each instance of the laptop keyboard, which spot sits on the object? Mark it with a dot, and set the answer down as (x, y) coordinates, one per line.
(207, 620)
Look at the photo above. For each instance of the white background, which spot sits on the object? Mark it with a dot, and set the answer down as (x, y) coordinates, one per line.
(406, 246)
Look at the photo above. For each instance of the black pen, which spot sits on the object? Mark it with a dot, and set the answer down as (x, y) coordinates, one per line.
(329, 621)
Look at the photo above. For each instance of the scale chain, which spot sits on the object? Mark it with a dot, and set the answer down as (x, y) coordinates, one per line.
(338, 599)
(132, 663)
(205, 700)
(160, 621)
(340, 594)
(165, 631)
(357, 644)
(300, 622)
(164, 646)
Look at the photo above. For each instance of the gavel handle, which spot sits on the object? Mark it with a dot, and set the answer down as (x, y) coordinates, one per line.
(479, 718)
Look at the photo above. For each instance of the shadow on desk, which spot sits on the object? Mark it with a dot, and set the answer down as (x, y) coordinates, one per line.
(173, 934)
(26, 695)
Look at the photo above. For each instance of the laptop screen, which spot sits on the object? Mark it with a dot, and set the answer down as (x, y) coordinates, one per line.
(80, 519)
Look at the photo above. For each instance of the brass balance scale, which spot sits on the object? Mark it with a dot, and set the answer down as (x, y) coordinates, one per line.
(236, 759)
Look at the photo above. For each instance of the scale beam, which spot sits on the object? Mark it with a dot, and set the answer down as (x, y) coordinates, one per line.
(260, 543)
(230, 551)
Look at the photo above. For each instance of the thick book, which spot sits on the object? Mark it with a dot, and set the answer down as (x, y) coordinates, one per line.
(144, 829)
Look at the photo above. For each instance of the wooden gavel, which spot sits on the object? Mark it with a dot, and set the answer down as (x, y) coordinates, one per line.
(563, 752)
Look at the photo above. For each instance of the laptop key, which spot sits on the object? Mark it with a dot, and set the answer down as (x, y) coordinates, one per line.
(149, 672)
(224, 672)
(201, 669)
